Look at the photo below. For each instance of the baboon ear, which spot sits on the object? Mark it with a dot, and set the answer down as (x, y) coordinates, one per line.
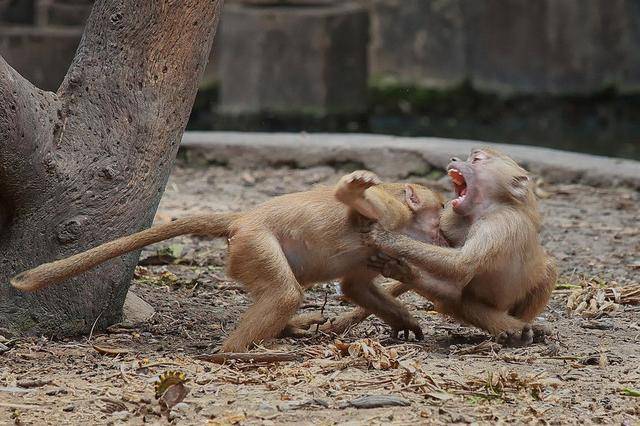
(519, 187)
(411, 198)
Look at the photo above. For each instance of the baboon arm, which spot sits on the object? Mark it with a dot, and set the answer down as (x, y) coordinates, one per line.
(434, 288)
(359, 191)
(484, 247)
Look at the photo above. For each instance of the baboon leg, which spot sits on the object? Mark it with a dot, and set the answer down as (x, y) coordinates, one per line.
(507, 328)
(343, 322)
(538, 297)
(359, 288)
(257, 260)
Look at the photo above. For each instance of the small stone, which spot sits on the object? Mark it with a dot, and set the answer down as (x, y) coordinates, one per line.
(69, 408)
(375, 401)
(120, 415)
(180, 406)
(248, 179)
(136, 310)
(266, 407)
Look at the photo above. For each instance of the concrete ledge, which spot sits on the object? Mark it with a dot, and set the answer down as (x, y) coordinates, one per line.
(399, 157)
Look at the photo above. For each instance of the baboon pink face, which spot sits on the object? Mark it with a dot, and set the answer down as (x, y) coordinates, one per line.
(487, 176)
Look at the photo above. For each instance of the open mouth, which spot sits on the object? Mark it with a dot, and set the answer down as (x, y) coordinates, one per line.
(459, 185)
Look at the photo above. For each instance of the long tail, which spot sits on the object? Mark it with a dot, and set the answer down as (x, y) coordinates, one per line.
(215, 224)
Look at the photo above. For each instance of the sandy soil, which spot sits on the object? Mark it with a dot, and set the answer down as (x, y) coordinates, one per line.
(586, 372)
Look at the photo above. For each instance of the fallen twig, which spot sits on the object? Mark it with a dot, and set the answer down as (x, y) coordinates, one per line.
(221, 358)
(33, 383)
(20, 406)
(376, 401)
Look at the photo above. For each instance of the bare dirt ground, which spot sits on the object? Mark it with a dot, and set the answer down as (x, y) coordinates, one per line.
(587, 372)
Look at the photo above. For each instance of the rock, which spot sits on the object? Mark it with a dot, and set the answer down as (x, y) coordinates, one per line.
(178, 411)
(180, 406)
(136, 310)
(376, 401)
(288, 59)
(120, 415)
(264, 406)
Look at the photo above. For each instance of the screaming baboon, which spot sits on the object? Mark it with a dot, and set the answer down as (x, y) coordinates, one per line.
(495, 274)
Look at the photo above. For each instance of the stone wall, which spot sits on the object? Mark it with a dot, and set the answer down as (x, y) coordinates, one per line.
(309, 60)
(39, 37)
(41, 55)
(541, 46)
(504, 46)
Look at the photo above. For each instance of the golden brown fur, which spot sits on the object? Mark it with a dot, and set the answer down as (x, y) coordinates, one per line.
(495, 275)
(286, 245)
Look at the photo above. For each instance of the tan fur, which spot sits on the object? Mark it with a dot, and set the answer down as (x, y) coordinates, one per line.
(286, 245)
(216, 224)
(496, 274)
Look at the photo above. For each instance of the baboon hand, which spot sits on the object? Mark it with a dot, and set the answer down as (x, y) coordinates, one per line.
(391, 267)
(404, 331)
(376, 236)
(361, 180)
(364, 227)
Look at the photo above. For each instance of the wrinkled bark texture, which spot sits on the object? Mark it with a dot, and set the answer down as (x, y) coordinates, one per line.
(89, 163)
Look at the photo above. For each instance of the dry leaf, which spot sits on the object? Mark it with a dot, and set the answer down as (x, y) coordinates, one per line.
(175, 394)
(228, 419)
(110, 350)
(592, 299)
(368, 350)
(170, 388)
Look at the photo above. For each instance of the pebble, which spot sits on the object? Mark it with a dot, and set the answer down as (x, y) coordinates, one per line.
(180, 406)
(120, 415)
(266, 407)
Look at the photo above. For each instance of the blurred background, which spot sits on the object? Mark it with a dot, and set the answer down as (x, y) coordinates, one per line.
(557, 73)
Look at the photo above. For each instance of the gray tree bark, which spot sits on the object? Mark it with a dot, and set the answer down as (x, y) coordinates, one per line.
(89, 163)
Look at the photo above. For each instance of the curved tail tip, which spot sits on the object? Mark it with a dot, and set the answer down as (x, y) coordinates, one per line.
(22, 283)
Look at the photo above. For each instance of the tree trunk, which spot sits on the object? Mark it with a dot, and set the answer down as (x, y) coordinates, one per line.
(89, 163)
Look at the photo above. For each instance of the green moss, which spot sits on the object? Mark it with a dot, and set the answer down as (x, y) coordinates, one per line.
(387, 96)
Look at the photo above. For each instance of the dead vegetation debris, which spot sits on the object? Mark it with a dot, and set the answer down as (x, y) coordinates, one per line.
(593, 298)
(586, 373)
